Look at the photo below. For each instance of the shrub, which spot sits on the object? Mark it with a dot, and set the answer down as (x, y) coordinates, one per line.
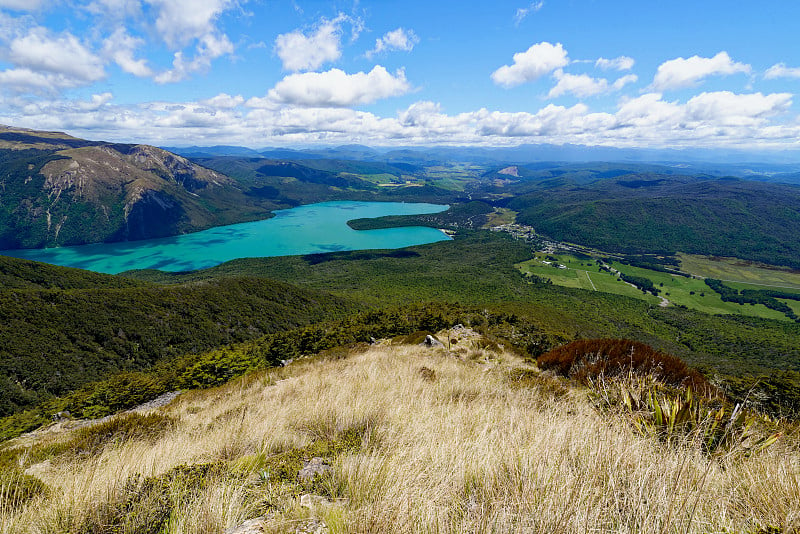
(675, 418)
(586, 360)
(146, 504)
(93, 439)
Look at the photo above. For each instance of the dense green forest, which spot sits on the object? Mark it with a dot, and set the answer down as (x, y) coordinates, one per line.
(54, 340)
(645, 213)
(477, 269)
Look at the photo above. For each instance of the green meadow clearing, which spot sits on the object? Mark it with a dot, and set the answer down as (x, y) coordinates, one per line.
(743, 274)
(679, 290)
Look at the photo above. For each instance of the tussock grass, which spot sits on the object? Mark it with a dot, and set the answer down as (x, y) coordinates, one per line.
(419, 440)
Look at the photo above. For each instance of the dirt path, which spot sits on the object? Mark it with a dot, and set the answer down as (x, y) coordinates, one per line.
(590, 280)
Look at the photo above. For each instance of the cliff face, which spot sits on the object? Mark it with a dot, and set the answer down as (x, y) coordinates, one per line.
(59, 190)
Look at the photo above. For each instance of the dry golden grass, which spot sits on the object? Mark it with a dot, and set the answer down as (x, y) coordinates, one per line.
(462, 446)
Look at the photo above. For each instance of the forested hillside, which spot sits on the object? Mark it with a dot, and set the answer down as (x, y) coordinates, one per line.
(665, 214)
(54, 340)
(59, 190)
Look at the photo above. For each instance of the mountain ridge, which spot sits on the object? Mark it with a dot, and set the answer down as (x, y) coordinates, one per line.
(60, 190)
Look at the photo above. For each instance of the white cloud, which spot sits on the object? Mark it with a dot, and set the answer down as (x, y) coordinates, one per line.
(680, 72)
(180, 22)
(21, 5)
(299, 51)
(399, 39)
(63, 55)
(523, 12)
(621, 82)
(42, 62)
(25, 79)
(618, 63)
(729, 109)
(114, 9)
(224, 101)
(539, 60)
(580, 85)
(184, 22)
(711, 119)
(209, 48)
(335, 88)
(780, 70)
(120, 47)
(583, 85)
(97, 101)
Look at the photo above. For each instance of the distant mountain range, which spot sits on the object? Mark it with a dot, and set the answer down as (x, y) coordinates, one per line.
(700, 159)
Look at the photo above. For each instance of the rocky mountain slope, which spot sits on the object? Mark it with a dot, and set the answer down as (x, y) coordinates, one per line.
(59, 190)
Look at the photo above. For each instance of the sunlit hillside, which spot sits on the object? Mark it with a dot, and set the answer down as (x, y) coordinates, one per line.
(407, 438)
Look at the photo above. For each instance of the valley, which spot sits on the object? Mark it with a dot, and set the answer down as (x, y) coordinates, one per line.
(537, 257)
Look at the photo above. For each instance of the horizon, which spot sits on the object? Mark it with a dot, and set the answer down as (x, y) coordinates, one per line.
(328, 73)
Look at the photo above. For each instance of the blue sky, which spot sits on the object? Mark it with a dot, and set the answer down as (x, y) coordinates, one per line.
(267, 73)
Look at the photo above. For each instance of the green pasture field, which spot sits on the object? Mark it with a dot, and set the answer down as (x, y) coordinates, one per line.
(793, 304)
(751, 275)
(690, 292)
(500, 216)
(454, 177)
(704, 298)
(581, 274)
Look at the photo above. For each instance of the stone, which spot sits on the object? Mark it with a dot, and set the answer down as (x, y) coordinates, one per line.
(312, 468)
(312, 501)
(313, 526)
(251, 526)
(61, 416)
(432, 342)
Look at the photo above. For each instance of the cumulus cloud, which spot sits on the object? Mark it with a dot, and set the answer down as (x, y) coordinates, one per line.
(335, 88)
(209, 48)
(181, 23)
(730, 109)
(63, 55)
(681, 72)
(523, 12)
(21, 5)
(224, 101)
(580, 85)
(120, 47)
(46, 62)
(539, 60)
(399, 39)
(780, 70)
(299, 51)
(618, 63)
(710, 119)
(583, 85)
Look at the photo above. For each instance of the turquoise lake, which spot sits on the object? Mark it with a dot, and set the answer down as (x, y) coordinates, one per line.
(309, 229)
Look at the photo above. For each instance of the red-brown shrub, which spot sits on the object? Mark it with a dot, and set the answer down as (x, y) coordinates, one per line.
(587, 359)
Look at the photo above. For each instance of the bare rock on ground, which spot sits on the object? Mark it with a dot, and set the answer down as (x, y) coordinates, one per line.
(312, 468)
(251, 526)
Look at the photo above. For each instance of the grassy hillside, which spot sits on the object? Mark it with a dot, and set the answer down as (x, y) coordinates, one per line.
(410, 440)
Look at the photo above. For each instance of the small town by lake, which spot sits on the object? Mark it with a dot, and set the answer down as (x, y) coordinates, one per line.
(309, 229)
